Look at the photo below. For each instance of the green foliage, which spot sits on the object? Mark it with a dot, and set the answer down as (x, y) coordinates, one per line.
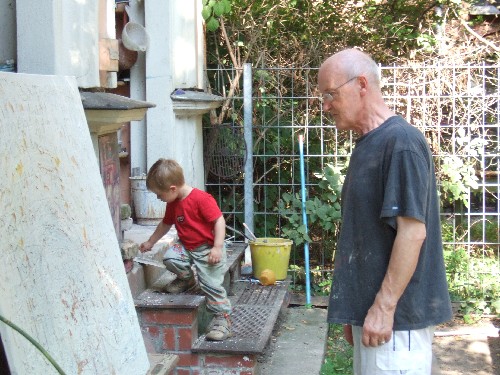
(339, 353)
(321, 281)
(473, 271)
(212, 10)
(473, 280)
(457, 172)
(305, 32)
(302, 33)
(486, 229)
(323, 210)
(457, 178)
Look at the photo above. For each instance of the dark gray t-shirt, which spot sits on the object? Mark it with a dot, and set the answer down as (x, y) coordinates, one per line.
(390, 174)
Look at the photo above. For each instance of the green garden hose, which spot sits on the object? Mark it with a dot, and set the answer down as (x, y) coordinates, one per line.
(36, 344)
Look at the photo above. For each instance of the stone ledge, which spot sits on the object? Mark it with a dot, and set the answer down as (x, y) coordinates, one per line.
(157, 300)
(162, 364)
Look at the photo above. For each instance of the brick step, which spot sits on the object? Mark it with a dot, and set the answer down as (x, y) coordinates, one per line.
(171, 323)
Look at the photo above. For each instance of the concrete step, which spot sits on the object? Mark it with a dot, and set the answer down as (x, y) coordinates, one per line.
(162, 364)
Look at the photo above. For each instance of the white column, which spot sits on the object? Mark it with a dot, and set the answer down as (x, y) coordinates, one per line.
(138, 91)
(188, 72)
(174, 60)
(59, 37)
(62, 278)
(162, 136)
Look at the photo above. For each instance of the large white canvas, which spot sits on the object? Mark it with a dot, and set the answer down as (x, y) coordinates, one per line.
(61, 274)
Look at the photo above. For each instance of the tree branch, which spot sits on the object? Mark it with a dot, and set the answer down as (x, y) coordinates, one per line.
(479, 37)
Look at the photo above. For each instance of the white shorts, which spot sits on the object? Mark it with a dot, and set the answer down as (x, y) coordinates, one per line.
(408, 352)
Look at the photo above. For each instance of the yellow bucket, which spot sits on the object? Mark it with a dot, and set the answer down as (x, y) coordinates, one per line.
(270, 253)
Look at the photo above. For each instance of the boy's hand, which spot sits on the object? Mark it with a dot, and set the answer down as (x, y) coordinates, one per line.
(145, 246)
(215, 255)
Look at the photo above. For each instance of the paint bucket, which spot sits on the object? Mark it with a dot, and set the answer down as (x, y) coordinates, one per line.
(270, 253)
(148, 209)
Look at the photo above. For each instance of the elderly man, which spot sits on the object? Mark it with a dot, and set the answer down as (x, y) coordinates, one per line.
(389, 284)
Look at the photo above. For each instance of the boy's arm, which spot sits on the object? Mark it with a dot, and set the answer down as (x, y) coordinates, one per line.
(219, 235)
(159, 232)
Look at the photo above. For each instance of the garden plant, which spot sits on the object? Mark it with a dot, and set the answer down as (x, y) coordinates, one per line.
(439, 67)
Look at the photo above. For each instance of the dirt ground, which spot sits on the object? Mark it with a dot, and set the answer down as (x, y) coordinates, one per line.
(463, 349)
(459, 348)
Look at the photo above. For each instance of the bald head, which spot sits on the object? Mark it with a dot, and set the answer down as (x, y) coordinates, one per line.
(350, 86)
(352, 63)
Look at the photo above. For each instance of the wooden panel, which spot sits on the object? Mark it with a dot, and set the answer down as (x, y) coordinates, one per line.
(108, 55)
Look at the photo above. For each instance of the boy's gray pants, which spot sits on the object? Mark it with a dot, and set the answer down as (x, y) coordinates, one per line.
(210, 276)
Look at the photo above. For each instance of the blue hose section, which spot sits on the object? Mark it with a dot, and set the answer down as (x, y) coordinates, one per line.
(304, 219)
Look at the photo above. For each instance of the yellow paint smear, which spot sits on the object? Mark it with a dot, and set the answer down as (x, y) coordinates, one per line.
(19, 168)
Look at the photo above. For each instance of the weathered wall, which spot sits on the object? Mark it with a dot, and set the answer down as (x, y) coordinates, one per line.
(61, 277)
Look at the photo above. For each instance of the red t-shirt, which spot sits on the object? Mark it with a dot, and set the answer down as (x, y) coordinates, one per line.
(193, 218)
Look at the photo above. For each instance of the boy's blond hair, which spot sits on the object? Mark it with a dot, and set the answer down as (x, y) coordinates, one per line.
(163, 174)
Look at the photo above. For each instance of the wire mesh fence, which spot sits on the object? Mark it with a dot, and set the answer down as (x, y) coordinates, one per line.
(456, 107)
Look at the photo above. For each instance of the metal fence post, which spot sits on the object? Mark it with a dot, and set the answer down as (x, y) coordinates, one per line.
(247, 123)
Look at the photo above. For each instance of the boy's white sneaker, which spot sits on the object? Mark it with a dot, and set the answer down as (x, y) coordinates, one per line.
(180, 286)
(220, 328)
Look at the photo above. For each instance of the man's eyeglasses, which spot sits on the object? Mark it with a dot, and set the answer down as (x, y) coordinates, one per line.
(329, 96)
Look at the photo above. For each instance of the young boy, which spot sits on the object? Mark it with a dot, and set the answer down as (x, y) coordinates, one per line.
(201, 229)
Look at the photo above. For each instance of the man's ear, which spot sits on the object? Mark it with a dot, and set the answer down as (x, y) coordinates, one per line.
(363, 85)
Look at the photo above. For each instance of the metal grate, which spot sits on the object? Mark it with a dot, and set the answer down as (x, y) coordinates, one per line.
(254, 314)
(257, 295)
(247, 321)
